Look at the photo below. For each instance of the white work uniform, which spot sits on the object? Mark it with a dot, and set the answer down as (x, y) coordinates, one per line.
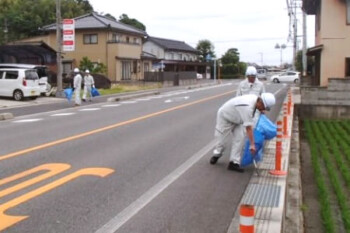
(88, 83)
(236, 112)
(245, 87)
(77, 88)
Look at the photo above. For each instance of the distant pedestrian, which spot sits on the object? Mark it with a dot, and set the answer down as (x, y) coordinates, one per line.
(236, 112)
(89, 83)
(250, 85)
(77, 86)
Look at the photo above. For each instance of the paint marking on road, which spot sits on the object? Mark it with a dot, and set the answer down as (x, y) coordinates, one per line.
(121, 218)
(88, 109)
(110, 105)
(109, 127)
(27, 120)
(63, 114)
(9, 220)
(128, 102)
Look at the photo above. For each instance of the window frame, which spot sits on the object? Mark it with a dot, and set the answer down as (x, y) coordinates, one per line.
(89, 36)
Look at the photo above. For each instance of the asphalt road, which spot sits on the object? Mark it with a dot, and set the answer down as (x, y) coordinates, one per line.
(138, 165)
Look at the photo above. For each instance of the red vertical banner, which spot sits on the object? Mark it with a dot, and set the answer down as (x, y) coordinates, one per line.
(68, 35)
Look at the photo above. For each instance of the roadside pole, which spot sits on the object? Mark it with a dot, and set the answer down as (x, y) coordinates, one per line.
(59, 92)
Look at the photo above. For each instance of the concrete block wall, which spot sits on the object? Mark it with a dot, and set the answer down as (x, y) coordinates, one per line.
(337, 93)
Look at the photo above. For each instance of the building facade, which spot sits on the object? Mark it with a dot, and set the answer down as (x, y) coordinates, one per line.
(103, 40)
(332, 39)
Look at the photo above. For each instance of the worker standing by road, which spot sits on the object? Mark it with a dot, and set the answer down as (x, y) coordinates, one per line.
(235, 112)
(77, 86)
(250, 85)
(89, 83)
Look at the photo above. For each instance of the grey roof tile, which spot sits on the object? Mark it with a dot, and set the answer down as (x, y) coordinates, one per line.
(96, 21)
(172, 44)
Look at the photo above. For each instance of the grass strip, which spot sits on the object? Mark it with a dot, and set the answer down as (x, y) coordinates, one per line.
(326, 213)
(323, 136)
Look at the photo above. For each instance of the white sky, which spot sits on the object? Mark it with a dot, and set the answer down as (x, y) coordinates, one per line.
(253, 27)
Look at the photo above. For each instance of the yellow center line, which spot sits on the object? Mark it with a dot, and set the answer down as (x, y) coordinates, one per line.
(99, 130)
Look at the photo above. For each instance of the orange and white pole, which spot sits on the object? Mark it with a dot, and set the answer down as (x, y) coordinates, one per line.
(278, 159)
(246, 220)
(285, 121)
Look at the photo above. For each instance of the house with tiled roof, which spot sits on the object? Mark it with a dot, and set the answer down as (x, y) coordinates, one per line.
(173, 55)
(103, 40)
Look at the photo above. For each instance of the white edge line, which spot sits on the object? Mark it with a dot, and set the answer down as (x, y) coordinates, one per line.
(120, 219)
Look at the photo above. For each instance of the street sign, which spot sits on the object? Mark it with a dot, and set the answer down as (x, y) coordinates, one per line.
(68, 35)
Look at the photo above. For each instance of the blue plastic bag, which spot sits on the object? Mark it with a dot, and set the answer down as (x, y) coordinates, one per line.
(266, 127)
(94, 92)
(247, 157)
(265, 130)
(68, 92)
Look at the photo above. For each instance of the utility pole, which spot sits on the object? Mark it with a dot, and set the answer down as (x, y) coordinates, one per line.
(304, 45)
(295, 35)
(59, 92)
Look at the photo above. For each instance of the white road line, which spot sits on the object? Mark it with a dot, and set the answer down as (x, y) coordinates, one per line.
(110, 105)
(120, 219)
(88, 109)
(128, 102)
(64, 114)
(27, 120)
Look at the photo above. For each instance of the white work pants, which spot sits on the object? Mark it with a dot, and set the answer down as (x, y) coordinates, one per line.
(222, 130)
(77, 96)
(87, 89)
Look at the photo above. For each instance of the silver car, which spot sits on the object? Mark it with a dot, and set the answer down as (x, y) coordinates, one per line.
(289, 76)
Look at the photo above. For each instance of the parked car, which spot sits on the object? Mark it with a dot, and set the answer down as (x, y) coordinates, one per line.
(19, 83)
(289, 76)
(40, 69)
(261, 74)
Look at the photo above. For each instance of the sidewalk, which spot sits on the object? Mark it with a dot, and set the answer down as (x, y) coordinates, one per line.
(276, 199)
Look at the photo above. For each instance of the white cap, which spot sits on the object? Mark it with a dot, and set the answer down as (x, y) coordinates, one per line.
(268, 99)
(250, 71)
(76, 70)
(87, 71)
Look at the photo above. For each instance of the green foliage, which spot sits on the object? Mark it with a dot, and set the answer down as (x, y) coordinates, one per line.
(25, 17)
(231, 66)
(299, 61)
(95, 68)
(205, 47)
(133, 22)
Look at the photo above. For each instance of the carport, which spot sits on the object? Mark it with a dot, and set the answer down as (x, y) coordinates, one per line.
(28, 53)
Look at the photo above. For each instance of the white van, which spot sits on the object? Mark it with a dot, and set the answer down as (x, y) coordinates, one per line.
(19, 83)
(40, 69)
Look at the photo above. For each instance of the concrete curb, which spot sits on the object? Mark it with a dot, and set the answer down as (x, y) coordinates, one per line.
(131, 96)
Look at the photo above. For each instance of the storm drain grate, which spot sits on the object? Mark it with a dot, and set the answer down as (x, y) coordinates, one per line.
(262, 195)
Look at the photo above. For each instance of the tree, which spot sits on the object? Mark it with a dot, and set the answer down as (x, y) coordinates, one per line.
(133, 22)
(94, 68)
(299, 61)
(25, 17)
(231, 66)
(205, 47)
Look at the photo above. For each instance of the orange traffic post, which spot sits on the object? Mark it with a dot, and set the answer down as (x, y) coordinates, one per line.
(285, 121)
(246, 220)
(278, 159)
(289, 103)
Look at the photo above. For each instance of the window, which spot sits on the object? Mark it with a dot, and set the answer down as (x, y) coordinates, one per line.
(134, 66)
(1, 74)
(11, 75)
(347, 11)
(136, 40)
(347, 67)
(127, 40)
(115, 37)
(90, 39)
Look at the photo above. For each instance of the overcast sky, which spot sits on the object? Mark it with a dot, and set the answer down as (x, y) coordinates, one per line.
(253, 27)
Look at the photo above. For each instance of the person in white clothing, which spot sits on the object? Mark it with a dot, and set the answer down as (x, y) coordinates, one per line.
(77, 86)
(235, 112)
(250, 85)
(89, 83)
